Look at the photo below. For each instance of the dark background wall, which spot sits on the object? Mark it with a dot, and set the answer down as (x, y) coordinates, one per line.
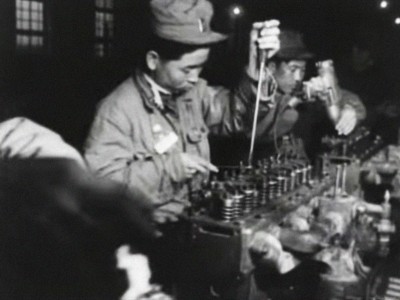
(61, 86)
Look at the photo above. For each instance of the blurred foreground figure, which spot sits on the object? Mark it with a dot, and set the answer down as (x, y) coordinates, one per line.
(61, 233)
(22, 138)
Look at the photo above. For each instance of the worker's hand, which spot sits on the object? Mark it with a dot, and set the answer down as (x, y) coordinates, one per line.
(162, 216)
(347, 121)
(264, 36)
(193, 164)
(316, 88)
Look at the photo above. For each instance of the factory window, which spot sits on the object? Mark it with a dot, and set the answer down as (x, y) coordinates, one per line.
(29, 25)
(104, 27)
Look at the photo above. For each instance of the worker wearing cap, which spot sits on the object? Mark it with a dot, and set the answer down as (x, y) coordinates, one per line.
(151, 131)
(288, 68)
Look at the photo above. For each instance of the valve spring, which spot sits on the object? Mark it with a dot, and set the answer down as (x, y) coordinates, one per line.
(292, 180)
(249, 200)
(309, 171)
(286, 187)
(238, 204)
(304, 175)
(272, 189)
(263, 195)
(280, 190)
(299, 176)
(286, 177)
(256, 198)
(228, 212)
(288, 182)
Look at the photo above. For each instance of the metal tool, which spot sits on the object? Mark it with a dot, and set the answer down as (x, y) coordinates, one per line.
(264, 56)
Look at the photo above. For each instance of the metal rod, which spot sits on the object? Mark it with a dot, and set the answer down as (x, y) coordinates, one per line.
(344, 175)
(337, 181)
(257, 107)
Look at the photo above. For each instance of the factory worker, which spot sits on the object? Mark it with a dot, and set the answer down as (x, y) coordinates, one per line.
(288, 111)
(151, 131)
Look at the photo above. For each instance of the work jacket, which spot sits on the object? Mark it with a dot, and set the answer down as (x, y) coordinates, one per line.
(129, 129)
(283, 118)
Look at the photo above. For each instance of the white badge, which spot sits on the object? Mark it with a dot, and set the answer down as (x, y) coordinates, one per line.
(166, 142)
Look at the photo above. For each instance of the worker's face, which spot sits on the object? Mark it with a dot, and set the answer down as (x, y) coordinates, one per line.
(182, 74)
(289, 74)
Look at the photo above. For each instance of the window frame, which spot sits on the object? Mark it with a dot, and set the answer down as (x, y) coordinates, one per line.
(41, 32)
(104, 41)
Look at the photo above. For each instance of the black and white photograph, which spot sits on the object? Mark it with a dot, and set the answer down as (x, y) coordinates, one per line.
(199, 149)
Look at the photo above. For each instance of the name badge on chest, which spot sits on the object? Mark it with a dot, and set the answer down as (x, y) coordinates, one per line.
(165, 142)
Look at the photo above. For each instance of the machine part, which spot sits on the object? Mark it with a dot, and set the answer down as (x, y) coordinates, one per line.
(385, 228)
(263, 194)
(238, 204)
(281, 183)
(309, 174)
(228, 209)
(384, 281)
(249, 200)
(272, 189)
(343, 178)
(337, 181)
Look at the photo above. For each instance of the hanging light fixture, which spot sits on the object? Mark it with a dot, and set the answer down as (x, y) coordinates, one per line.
(236, 11)
(383, 4)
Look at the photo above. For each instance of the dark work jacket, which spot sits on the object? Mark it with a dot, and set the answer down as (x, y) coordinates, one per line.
(282, 118)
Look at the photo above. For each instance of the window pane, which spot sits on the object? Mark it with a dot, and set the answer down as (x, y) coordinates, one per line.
(99, 50)
(99, 32)
(25, 15)
(109, 3)
(100, 3)
(19, 39)
(34, 16)
(25, 25)
(35, 5)
(25, 40)
(25, 5)
(109, 17)
(35, 41)
(35, 26)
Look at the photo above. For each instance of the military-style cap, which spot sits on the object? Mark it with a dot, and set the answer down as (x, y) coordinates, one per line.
(184, 21)
(292, 46)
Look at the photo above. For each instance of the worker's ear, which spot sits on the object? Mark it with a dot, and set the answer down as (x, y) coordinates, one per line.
(152, 60)
(271, 66)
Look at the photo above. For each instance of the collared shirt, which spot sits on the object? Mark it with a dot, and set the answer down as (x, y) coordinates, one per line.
(157, 91)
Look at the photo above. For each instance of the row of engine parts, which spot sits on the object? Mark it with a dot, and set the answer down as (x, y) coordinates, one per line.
(284, 206)
(245, 189)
